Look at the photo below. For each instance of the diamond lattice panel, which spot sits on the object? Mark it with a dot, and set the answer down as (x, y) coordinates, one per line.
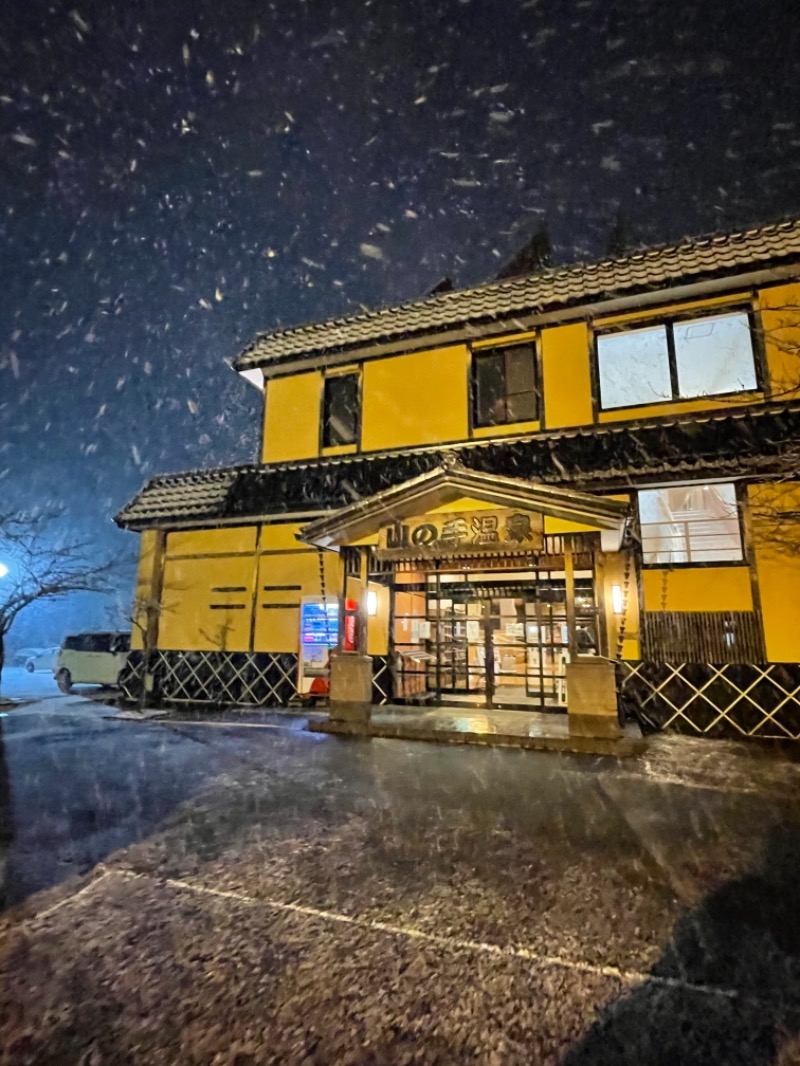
(728, 700)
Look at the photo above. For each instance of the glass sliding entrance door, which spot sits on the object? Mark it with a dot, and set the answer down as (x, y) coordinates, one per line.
(500, 639)
(458, 639)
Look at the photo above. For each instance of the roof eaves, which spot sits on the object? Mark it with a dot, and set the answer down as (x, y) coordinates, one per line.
(652, 269)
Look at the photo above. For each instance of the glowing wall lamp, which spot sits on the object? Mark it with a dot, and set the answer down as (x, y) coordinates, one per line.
(3, 569)
(372, 602)
(616, 598)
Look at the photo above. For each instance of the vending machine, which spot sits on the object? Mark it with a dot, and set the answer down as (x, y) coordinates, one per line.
(319, 632)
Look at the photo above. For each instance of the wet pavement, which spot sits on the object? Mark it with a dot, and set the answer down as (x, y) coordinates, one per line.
(531, 730)
(82, 785)
(284, 897)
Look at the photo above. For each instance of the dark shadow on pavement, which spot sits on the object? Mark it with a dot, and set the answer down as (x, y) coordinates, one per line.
(727, 987)
(75, 787)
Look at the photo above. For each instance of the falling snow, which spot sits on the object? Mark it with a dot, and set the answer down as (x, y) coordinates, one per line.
(178, 179)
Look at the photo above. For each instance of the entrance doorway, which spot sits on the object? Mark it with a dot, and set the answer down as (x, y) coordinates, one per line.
(491, 639)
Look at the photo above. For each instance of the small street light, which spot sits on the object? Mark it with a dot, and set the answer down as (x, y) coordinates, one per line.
(3, 569)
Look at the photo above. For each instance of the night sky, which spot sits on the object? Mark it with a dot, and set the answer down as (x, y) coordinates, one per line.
(178, 176)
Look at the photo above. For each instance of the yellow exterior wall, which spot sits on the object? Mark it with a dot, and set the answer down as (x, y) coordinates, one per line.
(554, 526)
(339, 449)
(280, 536)
(566, 375)
(292, 417)
(780, 322)
(678, 407)
(776, 541)
(705, 588)
(148, 576)
(613, 573)
(422, 398)
(196, 614)
(511, 429)
(226, 541)
(464, 503)
(657, 312)
(277, 620)
(416, 399)
(213, 594)
(378, 624)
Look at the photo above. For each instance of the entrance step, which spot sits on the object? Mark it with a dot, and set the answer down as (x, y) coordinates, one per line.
(515, 729)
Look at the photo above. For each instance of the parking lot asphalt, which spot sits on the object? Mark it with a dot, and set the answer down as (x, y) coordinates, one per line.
(219, 892)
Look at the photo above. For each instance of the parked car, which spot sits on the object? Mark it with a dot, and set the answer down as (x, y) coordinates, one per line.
(91, 659)
(21, 656)
(42, 660)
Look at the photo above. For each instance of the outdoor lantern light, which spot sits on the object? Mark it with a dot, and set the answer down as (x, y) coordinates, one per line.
(372, 602)
(616, 598)
(3, 569)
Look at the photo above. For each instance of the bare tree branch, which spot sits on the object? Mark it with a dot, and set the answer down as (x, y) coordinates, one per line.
(44, 564)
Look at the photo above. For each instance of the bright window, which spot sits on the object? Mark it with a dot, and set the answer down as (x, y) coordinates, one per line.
(714, 355)
(690, 524)
(708, 356)
(634, 367)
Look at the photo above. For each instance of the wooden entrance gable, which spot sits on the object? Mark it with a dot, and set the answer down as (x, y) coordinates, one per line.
(451, 482)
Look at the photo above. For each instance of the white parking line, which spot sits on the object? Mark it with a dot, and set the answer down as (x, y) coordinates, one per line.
(452, 943)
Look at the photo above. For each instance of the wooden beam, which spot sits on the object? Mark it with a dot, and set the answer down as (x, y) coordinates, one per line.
(569, 581)
(363, 612)
(599, 600)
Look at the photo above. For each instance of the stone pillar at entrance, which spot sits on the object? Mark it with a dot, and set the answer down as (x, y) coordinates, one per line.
(592, 697)
(351, 671)
(591, 680)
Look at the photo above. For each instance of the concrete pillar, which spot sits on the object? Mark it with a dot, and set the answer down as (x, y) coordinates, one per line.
(351, 687)
(592, 697)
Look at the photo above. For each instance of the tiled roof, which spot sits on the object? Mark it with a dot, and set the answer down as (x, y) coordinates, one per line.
(728, 443)
(186, 496)
(657, 268)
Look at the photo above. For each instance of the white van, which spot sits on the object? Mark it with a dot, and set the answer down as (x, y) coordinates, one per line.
(91, 659)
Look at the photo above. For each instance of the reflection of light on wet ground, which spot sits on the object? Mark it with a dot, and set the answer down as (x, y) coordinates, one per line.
(503, 723)
(473, 723)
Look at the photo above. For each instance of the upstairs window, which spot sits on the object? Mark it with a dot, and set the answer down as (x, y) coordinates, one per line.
(340, 410)
(504, 381)
(690, 524)
(708, 356)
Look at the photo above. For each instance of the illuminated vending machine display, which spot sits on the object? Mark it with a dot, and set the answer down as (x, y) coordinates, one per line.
(319, 632)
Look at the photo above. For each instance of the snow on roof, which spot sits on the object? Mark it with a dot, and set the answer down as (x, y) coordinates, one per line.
(657, 268)
(728, 443)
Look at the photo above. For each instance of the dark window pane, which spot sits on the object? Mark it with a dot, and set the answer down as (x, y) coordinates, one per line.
(505, 386)
(93, 642)
(340, 410)
(490, 389)
(519, 370)
(521, 407)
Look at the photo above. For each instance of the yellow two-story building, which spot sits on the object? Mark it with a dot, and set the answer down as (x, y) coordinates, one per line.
(481, 487)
